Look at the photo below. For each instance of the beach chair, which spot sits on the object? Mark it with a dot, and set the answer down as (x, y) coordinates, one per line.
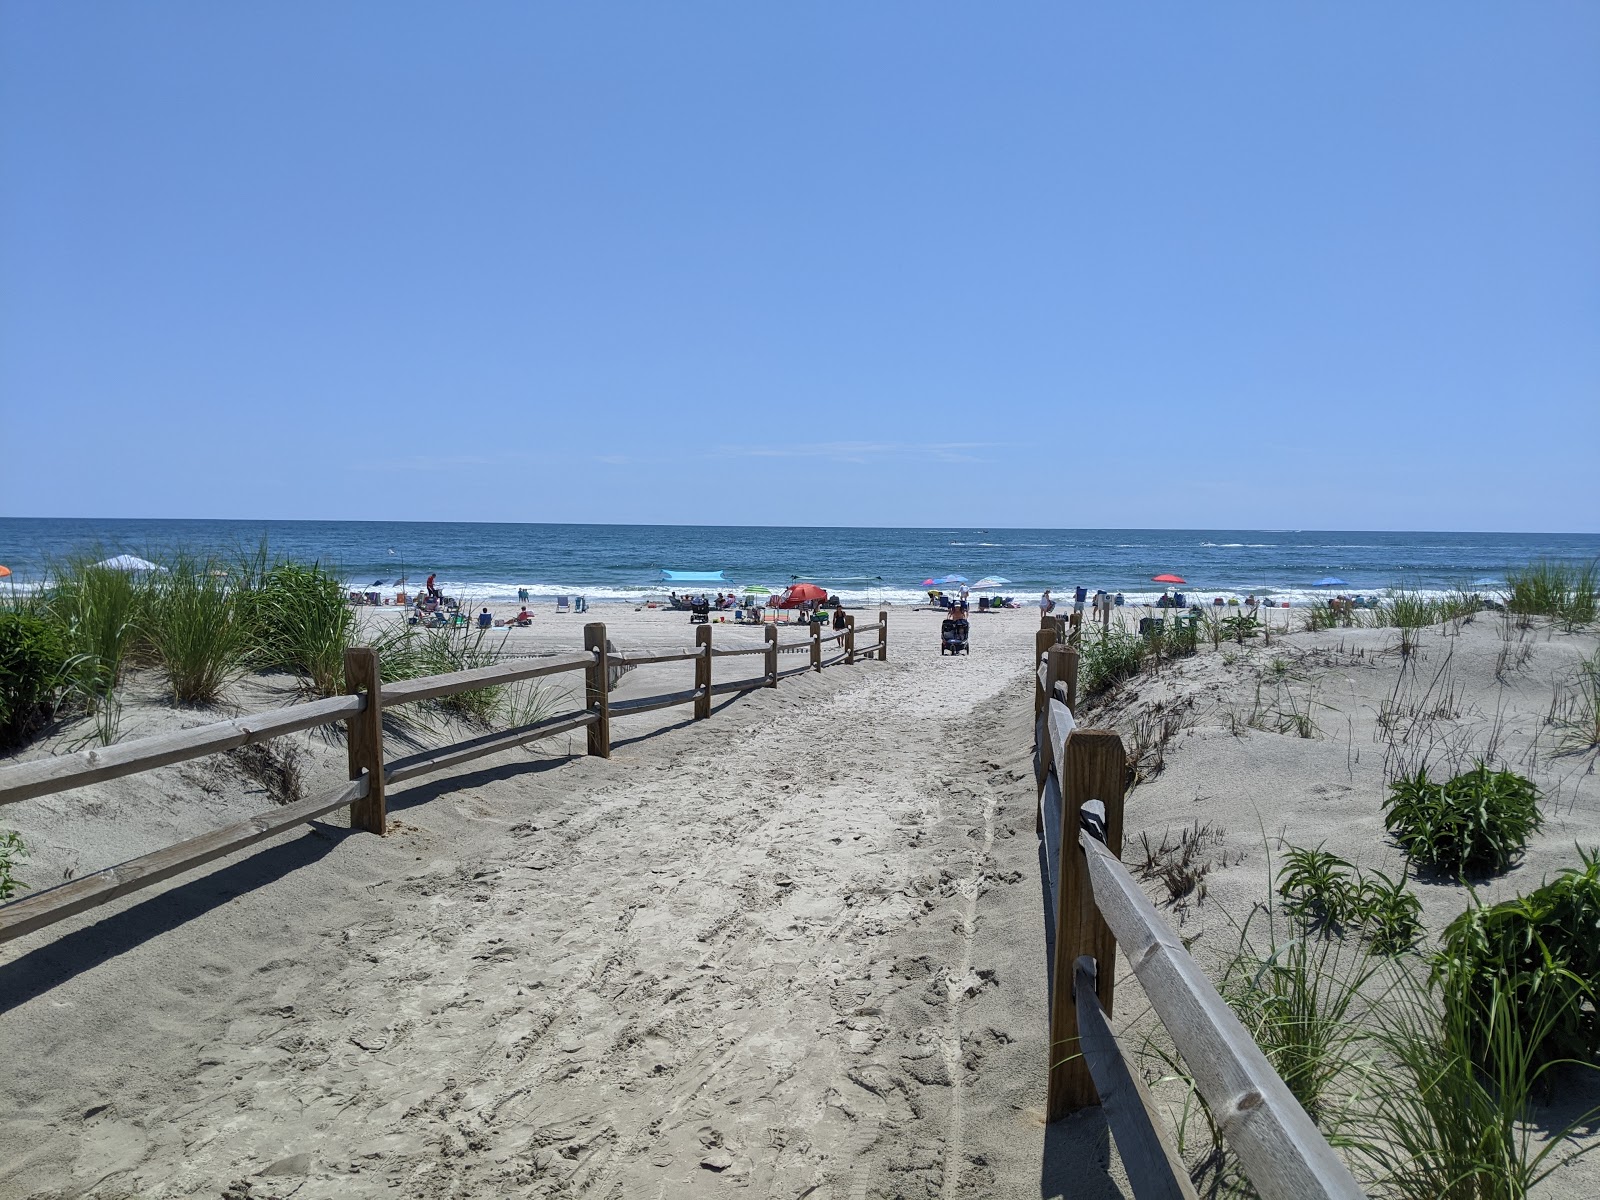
(563, 604)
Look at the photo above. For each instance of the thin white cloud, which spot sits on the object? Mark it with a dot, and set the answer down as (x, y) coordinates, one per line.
(861, 452)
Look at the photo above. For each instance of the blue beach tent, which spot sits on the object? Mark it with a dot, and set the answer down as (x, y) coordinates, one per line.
(693, 577)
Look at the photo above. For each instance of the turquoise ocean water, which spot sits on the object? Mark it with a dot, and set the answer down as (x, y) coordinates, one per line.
(489, 561)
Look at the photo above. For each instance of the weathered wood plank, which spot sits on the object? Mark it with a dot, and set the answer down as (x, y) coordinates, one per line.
(702, 674)
(62, 772)
(1155, 1169)
(431, 687)
(644, 704)
(1279, 1148)
(429, 761)
(834, 658)
(754, 682)
(39, 909)
(641, 659)
(748, 650)
(772, 655)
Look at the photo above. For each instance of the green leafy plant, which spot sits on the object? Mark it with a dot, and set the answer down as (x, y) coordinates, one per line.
(1317, 886)
(1542, 944)
(1109, 656)
(1390, 916)
(1241, 626)
(1479, 821)
(12, 851)
(34, 663)
(1323, 890)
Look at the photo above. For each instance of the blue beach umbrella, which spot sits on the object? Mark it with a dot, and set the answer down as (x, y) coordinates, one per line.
(954, 579)
(1330, 581)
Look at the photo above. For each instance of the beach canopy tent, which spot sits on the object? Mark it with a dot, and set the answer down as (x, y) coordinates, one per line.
(794, 597)
(1168, 579)
(1330, 581)
(693, 577)
(129, 562)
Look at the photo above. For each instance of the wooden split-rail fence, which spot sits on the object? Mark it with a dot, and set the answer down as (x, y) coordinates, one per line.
(1097, 904)
(361, 711)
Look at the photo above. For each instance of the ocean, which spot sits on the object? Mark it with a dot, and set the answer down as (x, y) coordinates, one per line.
(484, 561)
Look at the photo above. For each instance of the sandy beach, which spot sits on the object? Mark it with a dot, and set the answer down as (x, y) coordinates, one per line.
(796, 950)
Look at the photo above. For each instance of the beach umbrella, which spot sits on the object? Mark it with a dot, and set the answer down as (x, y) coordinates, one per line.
(1168, 579)
(954, 579)
(752, 590)
(129, 562)
(1330, 581)
(4, 571)
(990, 582)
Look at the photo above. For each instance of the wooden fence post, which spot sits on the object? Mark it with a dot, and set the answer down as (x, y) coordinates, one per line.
(849, 639)
(1075, 627)
(1105, 613)
(1042, 641)
(883, 635)
(597, 689)
(1055, 665)
(772, 656)
(1093, 769)
(816, 647)
(702, 673)
(364, 739)
(1069, 675)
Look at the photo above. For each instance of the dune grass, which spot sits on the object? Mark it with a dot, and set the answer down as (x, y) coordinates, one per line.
(1564, 591)
(196, 625)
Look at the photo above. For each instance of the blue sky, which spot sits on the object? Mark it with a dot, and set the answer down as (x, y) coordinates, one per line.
(1024, 265)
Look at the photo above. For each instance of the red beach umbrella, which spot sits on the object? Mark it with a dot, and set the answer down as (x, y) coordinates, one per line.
(800, 593)
(4, 571)
(1168, 579)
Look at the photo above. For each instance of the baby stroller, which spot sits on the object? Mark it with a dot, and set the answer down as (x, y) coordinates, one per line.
(953, 636)
(700, 614)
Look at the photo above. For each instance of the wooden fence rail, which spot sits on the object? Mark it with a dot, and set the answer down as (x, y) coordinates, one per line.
(362, 712)
(1097, 903)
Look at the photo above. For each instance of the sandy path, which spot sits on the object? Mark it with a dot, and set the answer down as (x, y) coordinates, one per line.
(795, 949)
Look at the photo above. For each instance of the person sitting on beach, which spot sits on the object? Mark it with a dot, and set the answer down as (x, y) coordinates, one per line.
(522, 618)
(1118, 600)
(485, 620)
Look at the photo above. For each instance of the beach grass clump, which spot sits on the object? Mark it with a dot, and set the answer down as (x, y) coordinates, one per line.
(1451, 1114)
(1477, 822)
(102, 612)
(1564, 591)
(420, 652)
(196, 627)
(1300, 1000)
(34, 667)
(1575, 711)
(299, 622)
(1108, 656)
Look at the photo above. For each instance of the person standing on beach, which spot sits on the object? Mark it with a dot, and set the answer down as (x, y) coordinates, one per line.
(1046, 605)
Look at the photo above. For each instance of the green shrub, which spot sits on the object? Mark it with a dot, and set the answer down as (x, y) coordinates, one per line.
(1389, 915)
(33, 668)
(195, 628)
(1479, 821)
(1107, 656)
(1541, 945)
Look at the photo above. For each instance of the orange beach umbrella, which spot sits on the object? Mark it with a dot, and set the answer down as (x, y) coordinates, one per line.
(1168, 579)
(4, 571)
